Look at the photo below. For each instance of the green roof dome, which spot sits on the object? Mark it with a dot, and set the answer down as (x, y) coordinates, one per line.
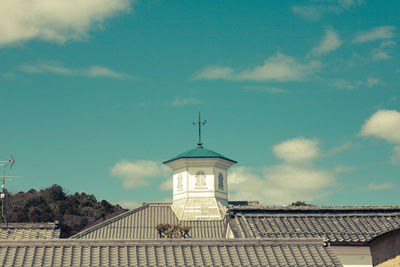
(199, 152)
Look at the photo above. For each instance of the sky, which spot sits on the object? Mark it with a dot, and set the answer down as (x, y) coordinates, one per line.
(304, 95)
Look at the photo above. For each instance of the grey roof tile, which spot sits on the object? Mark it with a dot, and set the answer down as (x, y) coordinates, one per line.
(335, 224)
(29, 231)
(140, 223)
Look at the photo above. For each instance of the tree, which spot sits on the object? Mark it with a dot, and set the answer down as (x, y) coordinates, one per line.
(56, 193)
(299, 203)
(173, 231)
(74, 212)
(21, 216)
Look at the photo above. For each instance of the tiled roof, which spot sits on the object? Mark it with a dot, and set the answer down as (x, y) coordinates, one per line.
(199, 152)
(140, 223)
(182, 252)
(29, 231)
(334, 224)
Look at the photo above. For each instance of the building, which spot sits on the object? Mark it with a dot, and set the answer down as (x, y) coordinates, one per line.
(200, 200)
(222, 232)
(385, 248)
(347, 230)
(18, 231)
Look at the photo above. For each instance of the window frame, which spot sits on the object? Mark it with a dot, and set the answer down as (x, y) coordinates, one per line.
(200, 179)
(220, 181)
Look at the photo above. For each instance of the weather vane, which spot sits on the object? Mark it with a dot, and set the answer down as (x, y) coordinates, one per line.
(5, 163)
(199, 122)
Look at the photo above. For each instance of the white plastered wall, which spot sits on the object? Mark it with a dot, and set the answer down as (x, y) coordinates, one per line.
(353, 256)
(200, 202)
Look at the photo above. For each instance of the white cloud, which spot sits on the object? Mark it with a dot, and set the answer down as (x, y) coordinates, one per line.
(395, 158)
(387, 44)
(298, 178)
(312, 13)
(383, 186)
(384, 51)
(56, 21)
(376, 33)
(297, 150)
(329, 43)
(316, 12)
(383, 124)
(8, 75)
(275, 90)
(294, 179)
(349, 85)
(343, 84)
(341, 148)
(137, 174)
(371, 82)
(215, 73)
(378, 54)
(271, 90)
(280, 184)
(166, 185)
(99, 71)
(177, 102)
(92, 71)
(50, 67)
(279, 67)
(350, 3)
(166, 200)
(342, 168)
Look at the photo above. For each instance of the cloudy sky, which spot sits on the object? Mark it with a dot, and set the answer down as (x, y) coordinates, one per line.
(305, 95)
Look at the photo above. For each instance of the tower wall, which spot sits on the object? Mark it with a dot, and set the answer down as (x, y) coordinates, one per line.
(200, 190)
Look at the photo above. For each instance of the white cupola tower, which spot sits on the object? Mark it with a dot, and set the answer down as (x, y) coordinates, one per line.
(200, 188)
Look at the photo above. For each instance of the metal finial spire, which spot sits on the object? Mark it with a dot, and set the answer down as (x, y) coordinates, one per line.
(199, 122)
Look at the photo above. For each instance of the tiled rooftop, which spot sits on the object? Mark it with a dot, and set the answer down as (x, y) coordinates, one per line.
(334, 224)
(29, 231)
(251, 220)
(167, 252)
(140, 223)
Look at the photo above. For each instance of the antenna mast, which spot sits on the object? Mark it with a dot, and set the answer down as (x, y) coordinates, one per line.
(5, 163)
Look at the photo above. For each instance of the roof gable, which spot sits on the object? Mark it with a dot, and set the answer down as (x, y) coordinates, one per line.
(140, 223)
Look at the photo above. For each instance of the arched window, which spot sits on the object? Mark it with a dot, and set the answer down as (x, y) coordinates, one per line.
(220, 181)
(200, 178)
(180, 182)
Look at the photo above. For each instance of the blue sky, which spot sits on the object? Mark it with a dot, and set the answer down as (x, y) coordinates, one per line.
(303, 94)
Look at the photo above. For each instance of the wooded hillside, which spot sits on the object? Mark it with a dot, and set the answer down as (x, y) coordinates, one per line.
(74, 212)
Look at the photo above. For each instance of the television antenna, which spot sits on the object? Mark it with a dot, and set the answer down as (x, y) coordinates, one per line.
(6, 164)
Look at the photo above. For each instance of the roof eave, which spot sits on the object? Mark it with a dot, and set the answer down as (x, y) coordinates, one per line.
(174, 159)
